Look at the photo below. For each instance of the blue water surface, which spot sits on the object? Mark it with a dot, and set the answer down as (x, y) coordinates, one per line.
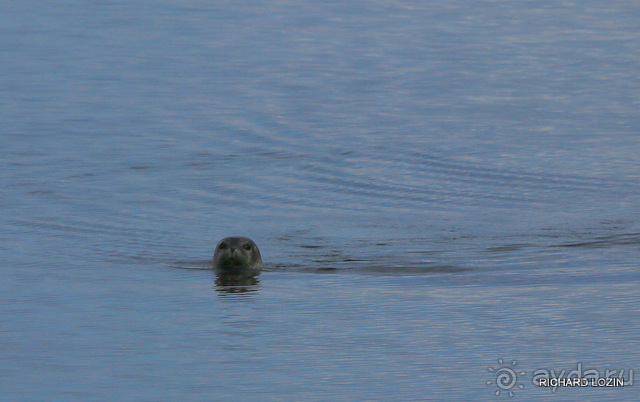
(443, 192)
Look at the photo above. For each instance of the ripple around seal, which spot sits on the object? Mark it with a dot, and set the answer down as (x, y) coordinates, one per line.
(393, 181)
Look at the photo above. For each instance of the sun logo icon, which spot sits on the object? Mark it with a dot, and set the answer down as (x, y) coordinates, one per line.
(506, 377)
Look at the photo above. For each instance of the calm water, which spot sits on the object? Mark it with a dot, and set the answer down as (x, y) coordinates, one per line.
(434, 186)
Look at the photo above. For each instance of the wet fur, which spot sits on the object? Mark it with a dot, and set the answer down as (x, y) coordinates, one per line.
(233, 257)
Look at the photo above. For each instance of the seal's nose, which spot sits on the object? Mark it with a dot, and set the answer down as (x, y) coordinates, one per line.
(232, 249)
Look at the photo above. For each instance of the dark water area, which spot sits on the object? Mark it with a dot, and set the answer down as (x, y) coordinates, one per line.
(442, 193)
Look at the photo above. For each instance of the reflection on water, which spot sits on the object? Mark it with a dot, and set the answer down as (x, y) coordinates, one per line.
(229, 283)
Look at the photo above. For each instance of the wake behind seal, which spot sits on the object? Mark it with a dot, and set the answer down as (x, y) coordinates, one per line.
(237, 256)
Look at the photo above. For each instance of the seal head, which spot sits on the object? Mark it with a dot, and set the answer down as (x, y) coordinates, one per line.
(237, 255)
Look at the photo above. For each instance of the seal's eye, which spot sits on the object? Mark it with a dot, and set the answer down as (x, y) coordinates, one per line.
(246, 247)
(222, 246)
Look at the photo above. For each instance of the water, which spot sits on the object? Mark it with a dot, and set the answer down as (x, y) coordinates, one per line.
(434, 186)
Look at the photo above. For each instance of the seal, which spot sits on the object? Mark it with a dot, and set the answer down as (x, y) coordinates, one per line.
(237, 255)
